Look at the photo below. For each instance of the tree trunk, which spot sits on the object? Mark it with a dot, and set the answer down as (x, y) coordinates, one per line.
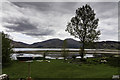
(82, 51)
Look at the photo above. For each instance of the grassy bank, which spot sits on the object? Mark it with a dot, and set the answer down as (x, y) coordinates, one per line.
(59, 69)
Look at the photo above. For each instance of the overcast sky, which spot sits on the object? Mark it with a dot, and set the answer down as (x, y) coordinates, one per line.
(31, 22)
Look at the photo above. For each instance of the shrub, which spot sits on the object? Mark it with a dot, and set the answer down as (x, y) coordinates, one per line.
(114, 61)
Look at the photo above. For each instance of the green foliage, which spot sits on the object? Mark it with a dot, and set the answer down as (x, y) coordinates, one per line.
(6, 49)
(114, 61)
(84, 26)
(93, 60)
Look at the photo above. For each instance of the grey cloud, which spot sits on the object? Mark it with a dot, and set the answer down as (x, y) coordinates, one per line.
(105, 10)
(29, 29)
(22, 26)
(70, 7)
(62, 7)
(26, 23)
(40, 33)
(99, 7)
(104, 6)
(109, 32)
(50, 11)
(42, 6)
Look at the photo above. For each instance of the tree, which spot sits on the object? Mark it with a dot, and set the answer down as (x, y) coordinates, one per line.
(84, 26)
(64, 51)
(44, 55)
(6, 49)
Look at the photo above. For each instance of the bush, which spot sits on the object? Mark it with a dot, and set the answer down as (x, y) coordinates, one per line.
(114, 61)
(93, 60)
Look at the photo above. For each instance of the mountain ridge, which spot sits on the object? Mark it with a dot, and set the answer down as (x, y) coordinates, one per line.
(71, 43)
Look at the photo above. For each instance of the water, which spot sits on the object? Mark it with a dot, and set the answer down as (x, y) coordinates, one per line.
(49, 56)
(42, 49)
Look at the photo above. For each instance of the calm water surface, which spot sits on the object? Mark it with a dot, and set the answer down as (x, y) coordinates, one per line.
(51, 56)
(41, 49)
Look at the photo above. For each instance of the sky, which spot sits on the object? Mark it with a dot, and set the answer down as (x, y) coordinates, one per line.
(31, 22)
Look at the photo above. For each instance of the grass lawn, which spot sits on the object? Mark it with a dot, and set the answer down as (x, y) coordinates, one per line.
(59, 69)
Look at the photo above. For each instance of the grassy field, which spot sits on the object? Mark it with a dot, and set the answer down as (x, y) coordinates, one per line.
(59, 69)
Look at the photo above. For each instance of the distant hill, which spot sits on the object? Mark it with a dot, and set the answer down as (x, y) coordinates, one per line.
(51, 43)
(20, 44)
(108, 45)
(71, 43)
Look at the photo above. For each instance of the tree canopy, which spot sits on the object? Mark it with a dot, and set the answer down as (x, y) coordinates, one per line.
(84, 26)
(6, 49)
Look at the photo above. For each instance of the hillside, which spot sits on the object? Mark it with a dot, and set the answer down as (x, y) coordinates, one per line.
(71, 43)
(20, 44)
